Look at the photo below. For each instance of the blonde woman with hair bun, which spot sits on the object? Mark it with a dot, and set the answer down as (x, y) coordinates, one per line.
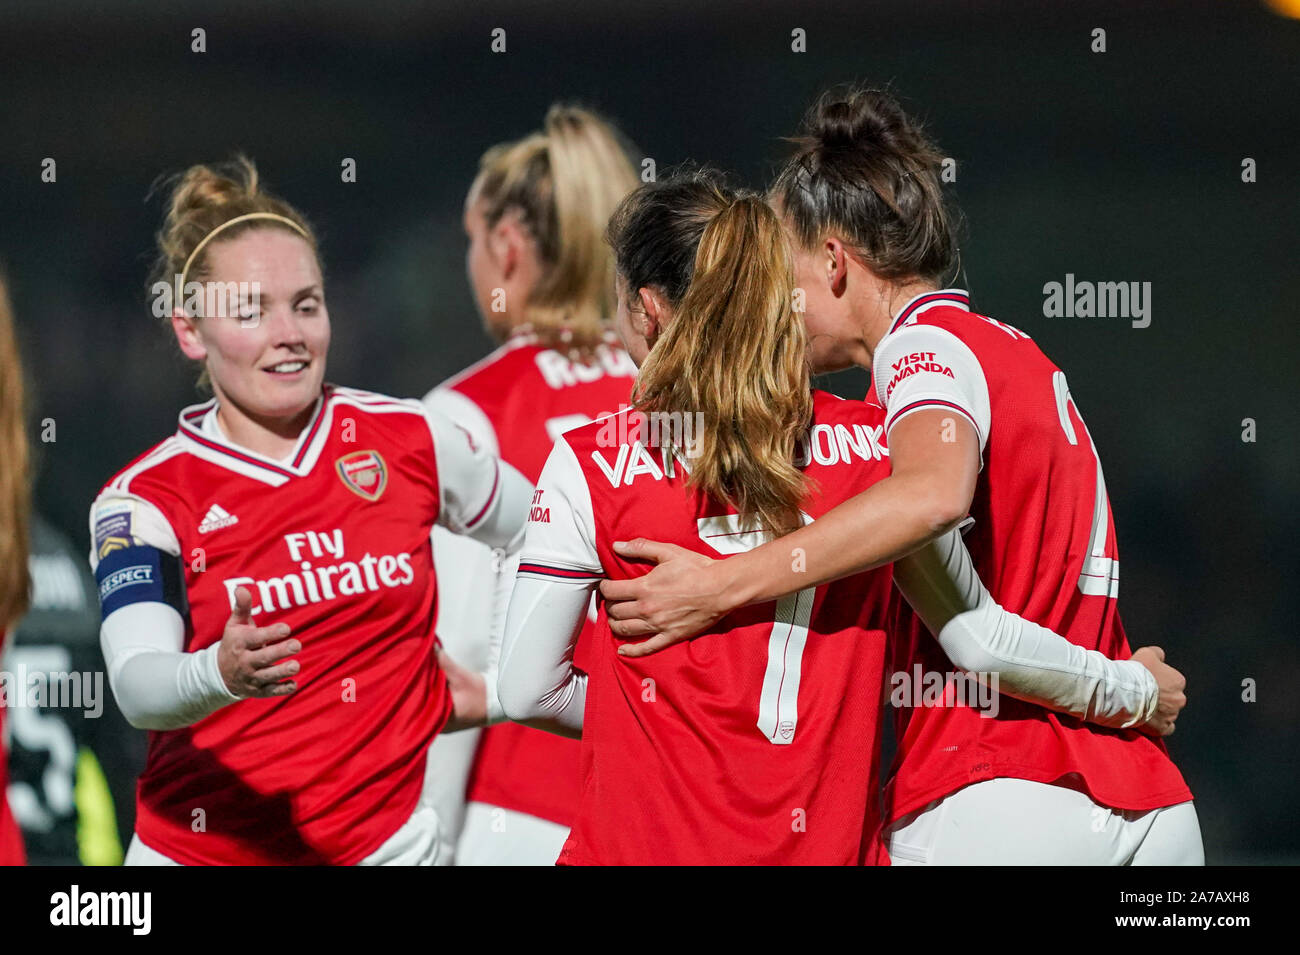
(265, 573)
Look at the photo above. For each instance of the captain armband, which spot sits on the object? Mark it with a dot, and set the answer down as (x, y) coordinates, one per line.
(141, 574)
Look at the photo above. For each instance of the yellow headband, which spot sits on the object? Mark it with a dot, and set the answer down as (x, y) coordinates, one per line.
(226, 225)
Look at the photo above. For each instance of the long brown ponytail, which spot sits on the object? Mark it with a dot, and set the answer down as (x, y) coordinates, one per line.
(735, 351)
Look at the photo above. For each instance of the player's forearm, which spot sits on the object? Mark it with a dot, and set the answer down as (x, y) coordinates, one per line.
(1034, 664)
(1015, 655)
(157, 686)
(567, 718)
(887, 521)
(505, 565)
(536, 682)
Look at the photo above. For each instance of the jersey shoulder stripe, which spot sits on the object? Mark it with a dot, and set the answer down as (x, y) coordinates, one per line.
(898, 414)
(378, 403)
(464, 411)
(555, 571)
(391, 406)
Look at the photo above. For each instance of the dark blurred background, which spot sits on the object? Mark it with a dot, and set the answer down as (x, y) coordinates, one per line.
(1117, 166)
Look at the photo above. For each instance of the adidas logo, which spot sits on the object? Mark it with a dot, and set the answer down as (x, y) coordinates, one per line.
(216, 518)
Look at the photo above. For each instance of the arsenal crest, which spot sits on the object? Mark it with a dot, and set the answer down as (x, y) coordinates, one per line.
(364, 473)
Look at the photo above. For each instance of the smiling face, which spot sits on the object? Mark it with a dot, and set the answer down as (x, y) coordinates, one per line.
(265, 358)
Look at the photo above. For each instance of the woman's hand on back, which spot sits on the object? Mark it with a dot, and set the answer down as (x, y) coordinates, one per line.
(683, 595)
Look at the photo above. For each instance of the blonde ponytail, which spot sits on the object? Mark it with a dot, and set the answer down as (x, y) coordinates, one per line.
(564, 182)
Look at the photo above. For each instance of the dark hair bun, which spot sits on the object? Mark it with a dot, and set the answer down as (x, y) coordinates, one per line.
(865, 170)
(857, 119)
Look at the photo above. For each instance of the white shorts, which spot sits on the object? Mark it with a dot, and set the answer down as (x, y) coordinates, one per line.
(496, 836)
(1017, 822)
(416, 843)
(446, 774)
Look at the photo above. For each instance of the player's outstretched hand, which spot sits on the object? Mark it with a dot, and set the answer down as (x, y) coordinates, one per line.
(468, 694)
(672, 603)
(250, 658)
(1172, 696)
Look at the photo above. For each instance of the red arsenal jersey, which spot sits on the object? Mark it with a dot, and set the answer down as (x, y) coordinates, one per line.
(517, 401)
(755, 742)
(334, 542)
(1043, 542)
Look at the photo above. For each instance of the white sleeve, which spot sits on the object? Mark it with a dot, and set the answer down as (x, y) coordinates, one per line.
(466, 573)
(471, 578)
(464, 412)
(156, 684)
(471, 575)
(1027, 661)
(558, 571)
(482, 496)
(480, 577)
(923, 366)
(505, 566)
